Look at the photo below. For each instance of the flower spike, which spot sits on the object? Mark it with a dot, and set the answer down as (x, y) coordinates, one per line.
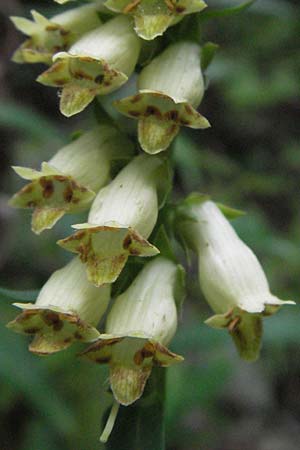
(121, 219)
(231, 278)
(153, 18)
(68, 182)
(142, 321)
(67, 309)
(170, 88)
(97, 64)
(49, 36)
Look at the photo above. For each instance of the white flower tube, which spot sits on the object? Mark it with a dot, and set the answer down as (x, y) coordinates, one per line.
(153, 18)
(231, 278)
(67, 183)
(49, 36)
(171, 87)
(121, 218)
(141, 323)
(68, 308)
(97, 64)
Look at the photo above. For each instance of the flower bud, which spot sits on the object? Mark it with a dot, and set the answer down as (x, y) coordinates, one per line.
(121, 218)
(231, 277)
(49, 36)
(69, 181)
(170, 88)
(141, 323)
(153, 18)
(68, 308)
(97, 64)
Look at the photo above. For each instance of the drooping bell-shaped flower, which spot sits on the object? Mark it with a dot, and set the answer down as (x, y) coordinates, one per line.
(231, 278)
(171, 87)
(97, 64)
(152, 18)
(68, 182)
(121, 219)
(67, 309)
(49, 36)
(141, 323)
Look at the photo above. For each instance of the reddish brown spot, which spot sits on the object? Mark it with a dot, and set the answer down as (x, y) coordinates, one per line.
(61, 81)
(32, 330)
(64, 32)
(75, 200)
(140, 355)
(152, 111)
(52, 319)
(233, 324)
(189, 110)
(48, 188)
(52, 27)
(127, 242)
(77, 335)
(103, 360)
(80, 75)
(180, 9)
(31, 204)
(185, 122)
(134, 113)
(67, 340)
(99, 78)
(172, 129)
(68, 194)
(27, 189)
(172, 115)
(136, 98)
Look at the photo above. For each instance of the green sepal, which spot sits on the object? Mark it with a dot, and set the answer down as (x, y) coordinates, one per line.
(162, 242)
(51, 193)
(225, 12)
(230, 213)
(105, 249)
(128, 375)
(153, 18)
(53, 328)
(81, 78)
(208, 52)
(159, 118)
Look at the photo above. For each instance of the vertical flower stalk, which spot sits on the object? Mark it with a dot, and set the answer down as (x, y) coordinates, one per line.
(49, 36)
(230, 276)
(67, 309)
(98, 63)
(154, 17)
(121, 219)
(67, 183)
(142, 321)
(171, 87)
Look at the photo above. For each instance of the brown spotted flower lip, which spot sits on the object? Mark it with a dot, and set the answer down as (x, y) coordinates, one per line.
(51, 194)
(130, 358)
(53, 329)
(105, 249)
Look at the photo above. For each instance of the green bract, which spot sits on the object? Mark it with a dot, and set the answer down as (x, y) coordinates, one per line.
(170, 88)
(68, 308)
(69, 181)
(121, 219)
(49, 36)
(141, 323)
(231, 278)
(153, 17)
(98, 63)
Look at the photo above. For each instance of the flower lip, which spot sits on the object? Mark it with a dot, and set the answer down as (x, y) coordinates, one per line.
(53, 328)
(153, 18)
(128, 380)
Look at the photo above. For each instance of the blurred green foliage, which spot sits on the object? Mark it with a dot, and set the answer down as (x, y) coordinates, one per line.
(249, 159)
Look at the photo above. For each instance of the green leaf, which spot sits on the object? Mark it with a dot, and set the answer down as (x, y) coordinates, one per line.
(208, 52)
(27, 296)
(162, 242)
(230, 213)
(215, 13)
(141, 426)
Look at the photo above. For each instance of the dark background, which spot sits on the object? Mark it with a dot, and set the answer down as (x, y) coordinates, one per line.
(249, 159)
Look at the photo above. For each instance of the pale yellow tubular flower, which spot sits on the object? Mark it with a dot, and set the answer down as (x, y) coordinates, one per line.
(98, 63)
(121, 219)
(171, 87)
(69, 181)
(68, 309)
